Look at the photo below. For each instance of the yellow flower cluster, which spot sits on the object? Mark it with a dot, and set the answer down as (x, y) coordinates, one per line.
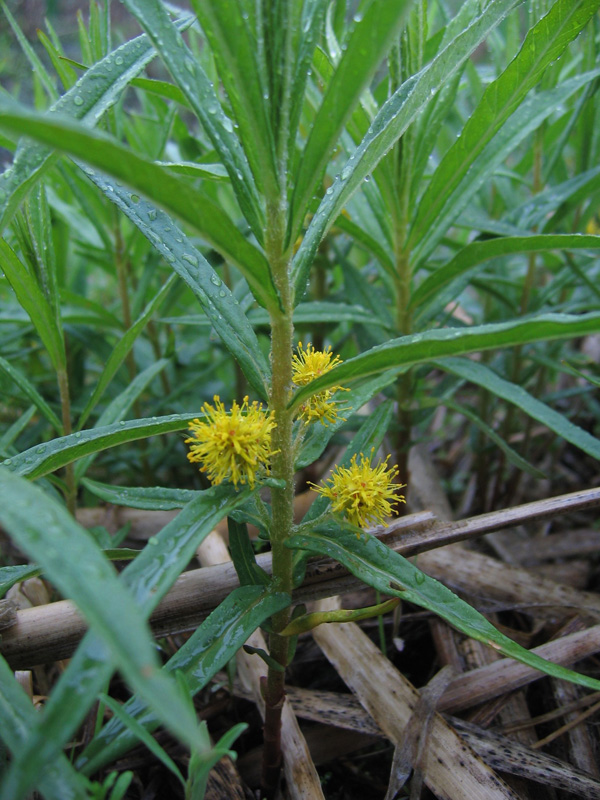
(308, 365)
(232, 445)
(363, 493)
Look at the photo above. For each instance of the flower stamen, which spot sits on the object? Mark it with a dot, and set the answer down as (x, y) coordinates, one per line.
(234, 444)
(362, 493)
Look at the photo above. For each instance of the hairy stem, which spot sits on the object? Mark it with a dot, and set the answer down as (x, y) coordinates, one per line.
(282, 330)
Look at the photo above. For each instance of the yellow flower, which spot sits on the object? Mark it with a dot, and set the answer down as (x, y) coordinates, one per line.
(232, 444)
(364, 494)
(310, 364)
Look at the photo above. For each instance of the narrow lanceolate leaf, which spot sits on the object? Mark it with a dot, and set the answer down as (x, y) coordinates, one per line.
(525, 120)
(88, 578)
(478, 253)
(389, 124)
(367, 46)
(33, 300)
(220, 306)
(200, 94)
(309, 33)
(87, 101)
(45, 458)
(155, 181)
(483, 376)
(123, 346)
(17, 717)
(212, 645)
(32, 393)
(155, 498)
(543, 44)
(149, 578)
(375, 564)
(227, 29)
(423, 347)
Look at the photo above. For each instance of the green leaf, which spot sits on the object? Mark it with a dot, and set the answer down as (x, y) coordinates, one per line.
(149, 577)
(478, 253)
(31, 392)
(227, 29)
(543, 44)
(155, 181)
(220, 306)
(366, 48)
(243, 556)
(308, 32)
(17, 716)
(43, 459)
(431, 345)
(12, 433)
(387, 127)
(65, 72)
(528, 117)
(213, 172)
(201, 95)
(89, 579)
(91, 96)
(512, 393)
(390, 573)
(142, 735)
(33, 300)
(161, 88)
(157, 498)
(122, 348)
(211, 646)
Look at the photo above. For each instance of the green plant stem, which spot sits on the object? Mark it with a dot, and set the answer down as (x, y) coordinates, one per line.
(65, 407)
(282, 500)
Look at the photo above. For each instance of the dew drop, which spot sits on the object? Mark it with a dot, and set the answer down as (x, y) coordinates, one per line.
(346, 172)
(215, 280)
(222, 293)
(119, 60)
(420, 578)
(41, 449)
(8, 462)
(227, 125)
(151, 214)
(78, 100)
(135, 198)
(78, 435)
(190, 259)
(122, 422)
